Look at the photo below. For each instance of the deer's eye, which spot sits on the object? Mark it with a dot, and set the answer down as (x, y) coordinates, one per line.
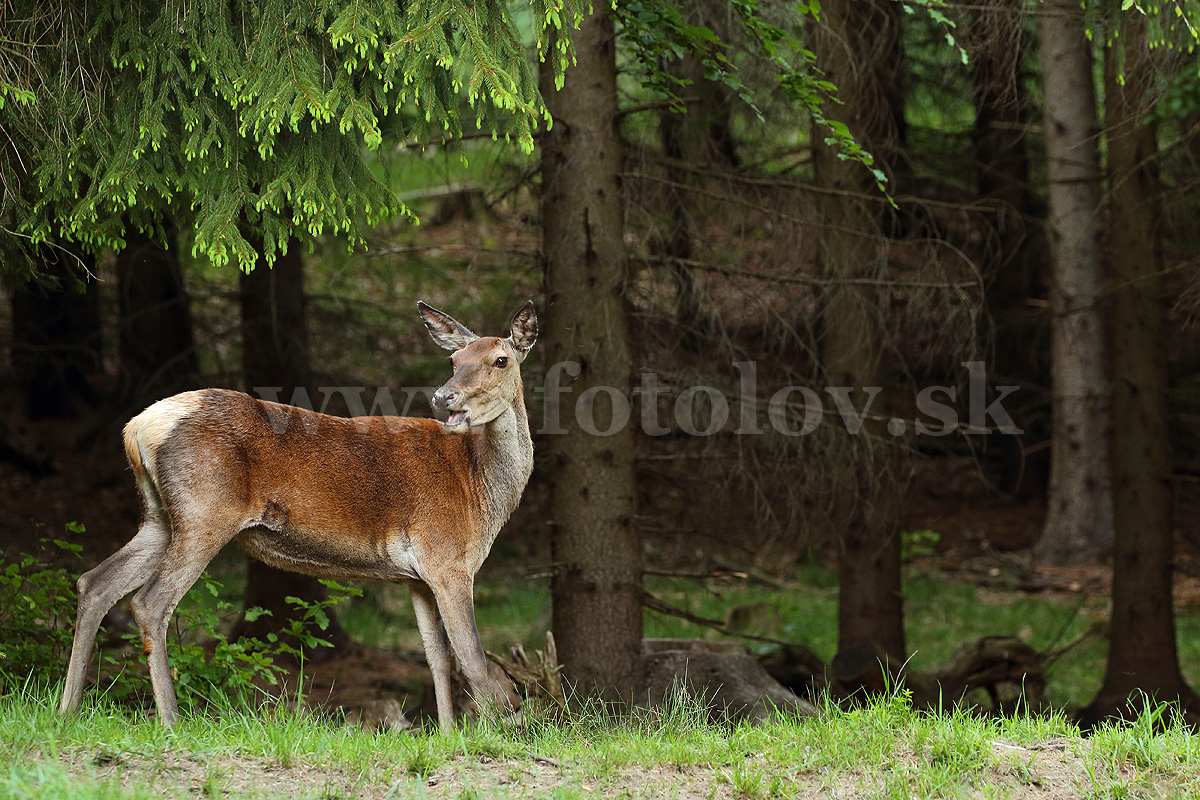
(502, 362)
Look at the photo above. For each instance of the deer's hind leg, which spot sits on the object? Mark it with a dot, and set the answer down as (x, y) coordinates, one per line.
(100, 589)
(192, 547)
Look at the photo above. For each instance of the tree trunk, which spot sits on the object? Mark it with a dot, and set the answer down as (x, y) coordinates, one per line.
(678, 243)
(1015, 257)
(1142, 654)
(852, 35)
(701, 135)
(156, 351)
(56, 342)
(597, 586)
(1079, 524)
(275, 358)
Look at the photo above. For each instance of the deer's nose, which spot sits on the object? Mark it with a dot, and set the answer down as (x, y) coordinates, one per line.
(443, 398)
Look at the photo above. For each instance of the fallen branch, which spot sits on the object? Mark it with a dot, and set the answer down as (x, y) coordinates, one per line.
(1096, 630)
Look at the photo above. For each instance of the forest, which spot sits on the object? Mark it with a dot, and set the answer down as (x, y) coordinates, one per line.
(862, 337)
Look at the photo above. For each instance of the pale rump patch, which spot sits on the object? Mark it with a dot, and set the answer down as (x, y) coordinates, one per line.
(146, 432)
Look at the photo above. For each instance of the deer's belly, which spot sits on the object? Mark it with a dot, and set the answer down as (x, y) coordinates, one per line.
(325, 556)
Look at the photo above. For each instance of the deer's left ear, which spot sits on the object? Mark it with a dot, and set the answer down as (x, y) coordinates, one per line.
(524, 330)
(445, 329)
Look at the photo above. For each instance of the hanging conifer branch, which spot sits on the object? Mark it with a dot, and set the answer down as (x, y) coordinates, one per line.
(253, 116)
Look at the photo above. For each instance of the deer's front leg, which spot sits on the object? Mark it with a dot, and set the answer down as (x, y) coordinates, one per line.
(437, 649)
(456, 603)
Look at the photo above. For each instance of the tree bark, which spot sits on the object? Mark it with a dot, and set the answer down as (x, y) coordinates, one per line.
(275, 357)
(995, 40)
(853, 35)
(597, 586)
(1142, 654)
(56, 343)
(1079, 524)
(156, 351)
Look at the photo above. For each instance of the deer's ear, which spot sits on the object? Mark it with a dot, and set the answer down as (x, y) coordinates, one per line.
(524, 330)
(445, 329)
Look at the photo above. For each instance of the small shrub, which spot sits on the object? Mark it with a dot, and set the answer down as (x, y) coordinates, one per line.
(37, 607)
(206, 667)
(210, 669)
(918, 544)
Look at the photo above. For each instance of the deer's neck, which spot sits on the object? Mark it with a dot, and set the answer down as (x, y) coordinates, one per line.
(505, 461)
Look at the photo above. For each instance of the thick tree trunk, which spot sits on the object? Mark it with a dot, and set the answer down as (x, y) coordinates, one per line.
(995, 39)
(156, 350)
(1079, 525)
(56, 335)
(597, 587)
(1142, 654)
(699, 136)
(678, 241)
(275, 359)
(852, 35)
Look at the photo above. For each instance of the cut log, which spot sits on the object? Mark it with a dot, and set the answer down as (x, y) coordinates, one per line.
(722, 676)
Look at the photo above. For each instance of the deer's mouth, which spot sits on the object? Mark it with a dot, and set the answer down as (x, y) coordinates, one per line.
(458, 420)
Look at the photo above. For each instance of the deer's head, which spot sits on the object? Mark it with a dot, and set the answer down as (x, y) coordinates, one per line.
(487, 369)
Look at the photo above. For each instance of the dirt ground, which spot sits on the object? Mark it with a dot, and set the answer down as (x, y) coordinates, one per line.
(1052, 769)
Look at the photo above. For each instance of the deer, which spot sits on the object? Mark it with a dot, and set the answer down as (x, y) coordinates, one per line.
(395, 499)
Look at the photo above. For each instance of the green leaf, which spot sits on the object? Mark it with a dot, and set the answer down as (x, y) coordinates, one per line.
(252, 614)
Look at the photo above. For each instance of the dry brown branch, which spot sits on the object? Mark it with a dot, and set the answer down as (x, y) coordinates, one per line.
(536, 677)
(663, 607)
(802, 279)
(400, 250)
(665, 102)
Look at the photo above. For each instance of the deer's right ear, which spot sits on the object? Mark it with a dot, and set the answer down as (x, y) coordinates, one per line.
(445, 329)
(524, 330)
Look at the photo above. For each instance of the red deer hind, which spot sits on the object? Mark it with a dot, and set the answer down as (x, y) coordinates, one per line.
(379, 498)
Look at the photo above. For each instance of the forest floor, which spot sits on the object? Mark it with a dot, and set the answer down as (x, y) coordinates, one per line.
(884, 750)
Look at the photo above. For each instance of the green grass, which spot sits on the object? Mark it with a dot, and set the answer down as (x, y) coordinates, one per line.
(882, 750)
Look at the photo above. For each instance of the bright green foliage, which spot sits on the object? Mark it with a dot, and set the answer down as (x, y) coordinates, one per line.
(253, 117)
(1169, 23)
(936, 10)
(37, 606)
(658, 34)
(213, 670)
(209, 669)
